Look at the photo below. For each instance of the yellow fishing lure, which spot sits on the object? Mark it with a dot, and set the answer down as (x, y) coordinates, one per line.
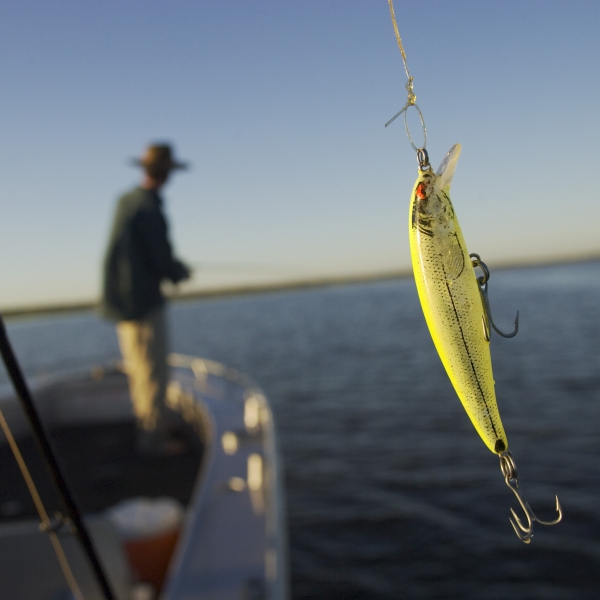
(458, 315)
(451, 299)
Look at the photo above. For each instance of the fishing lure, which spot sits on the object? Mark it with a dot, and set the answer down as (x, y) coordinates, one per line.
(451, 298)
(455, 303)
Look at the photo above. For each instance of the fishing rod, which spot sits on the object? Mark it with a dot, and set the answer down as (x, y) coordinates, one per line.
(73, 512)
(235, 267)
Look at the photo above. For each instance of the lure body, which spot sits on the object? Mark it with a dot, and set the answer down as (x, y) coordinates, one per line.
(451, 299)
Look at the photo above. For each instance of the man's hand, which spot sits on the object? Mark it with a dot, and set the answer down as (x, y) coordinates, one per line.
(184, 272)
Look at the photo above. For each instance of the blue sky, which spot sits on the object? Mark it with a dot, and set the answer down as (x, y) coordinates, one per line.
(280, 106)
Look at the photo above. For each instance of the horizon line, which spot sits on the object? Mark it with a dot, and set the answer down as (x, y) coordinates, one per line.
(291, 284)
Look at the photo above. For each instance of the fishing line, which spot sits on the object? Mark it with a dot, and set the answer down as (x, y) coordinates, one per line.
(226, 267)
(411, 99)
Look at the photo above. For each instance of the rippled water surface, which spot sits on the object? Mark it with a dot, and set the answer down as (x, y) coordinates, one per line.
(391, 493)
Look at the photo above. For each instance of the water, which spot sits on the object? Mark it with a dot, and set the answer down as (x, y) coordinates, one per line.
(391, 493)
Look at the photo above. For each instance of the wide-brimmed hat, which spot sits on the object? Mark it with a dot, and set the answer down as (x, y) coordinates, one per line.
(159, 158)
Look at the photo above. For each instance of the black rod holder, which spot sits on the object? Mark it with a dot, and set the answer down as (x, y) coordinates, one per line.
(73, 512)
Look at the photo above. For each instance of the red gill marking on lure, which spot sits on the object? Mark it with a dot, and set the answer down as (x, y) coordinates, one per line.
(420, 191)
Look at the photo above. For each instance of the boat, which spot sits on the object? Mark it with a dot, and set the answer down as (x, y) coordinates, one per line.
(232, 540)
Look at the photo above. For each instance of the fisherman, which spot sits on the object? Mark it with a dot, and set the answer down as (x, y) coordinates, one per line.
(138, 258)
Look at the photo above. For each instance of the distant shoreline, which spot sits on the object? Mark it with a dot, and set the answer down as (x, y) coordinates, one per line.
(299, 284)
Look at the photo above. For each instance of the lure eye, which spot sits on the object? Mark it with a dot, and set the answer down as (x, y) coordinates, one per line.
(420, 191)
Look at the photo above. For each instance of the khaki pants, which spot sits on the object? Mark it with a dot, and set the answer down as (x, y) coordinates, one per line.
(143, 345)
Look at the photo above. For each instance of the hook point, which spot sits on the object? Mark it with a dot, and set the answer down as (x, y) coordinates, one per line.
(524, 538)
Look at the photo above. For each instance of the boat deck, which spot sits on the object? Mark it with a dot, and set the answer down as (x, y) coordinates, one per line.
(102, 467)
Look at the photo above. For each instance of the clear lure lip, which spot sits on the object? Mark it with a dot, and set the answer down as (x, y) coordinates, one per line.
(446, 170)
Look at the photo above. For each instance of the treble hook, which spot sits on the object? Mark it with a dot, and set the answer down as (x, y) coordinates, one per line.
(483, 289)
(524, 533)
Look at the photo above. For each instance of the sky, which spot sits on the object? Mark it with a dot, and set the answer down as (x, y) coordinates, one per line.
(279, 106)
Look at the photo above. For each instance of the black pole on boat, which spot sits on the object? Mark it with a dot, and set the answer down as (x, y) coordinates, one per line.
(20, 385)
